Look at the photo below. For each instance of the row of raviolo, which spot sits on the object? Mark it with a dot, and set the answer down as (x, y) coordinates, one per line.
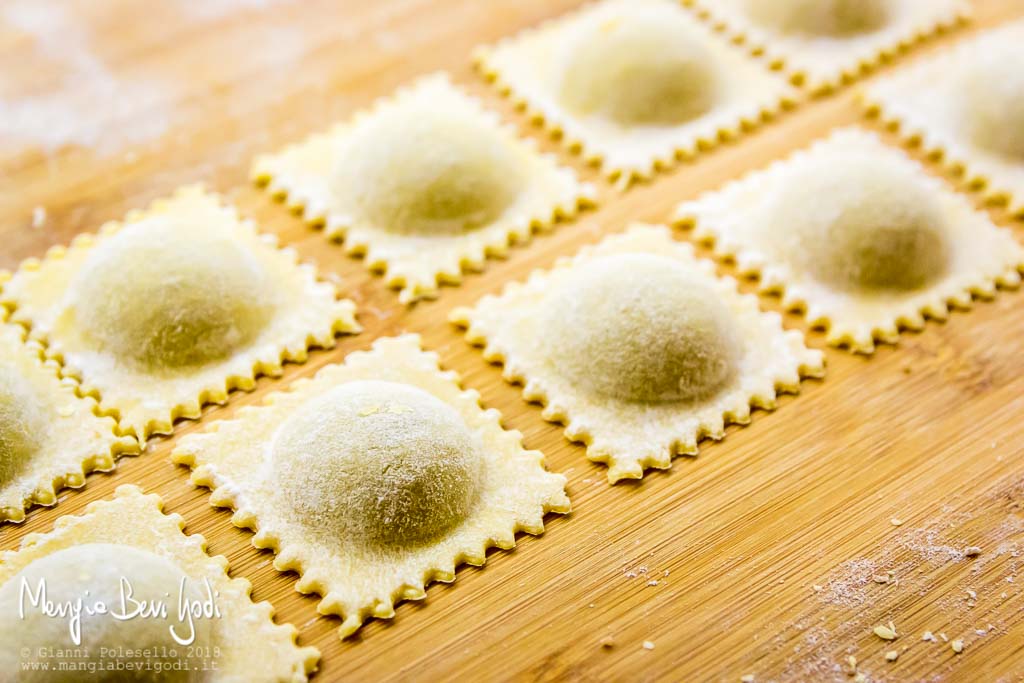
(182, 309)
(636, 85)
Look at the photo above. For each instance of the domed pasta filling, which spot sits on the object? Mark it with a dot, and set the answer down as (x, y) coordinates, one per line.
(23, 423)
(992, 104)
(864, 224)
(426, 173)
(647, 69)
(831, 18)
(633, 327)
(166, 296)
(861, 224)
(96, 573)
(378, 463)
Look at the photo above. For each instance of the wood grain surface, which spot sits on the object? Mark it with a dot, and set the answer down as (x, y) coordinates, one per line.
(759, 557)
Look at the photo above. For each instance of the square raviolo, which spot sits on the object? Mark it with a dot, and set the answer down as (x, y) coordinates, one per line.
(374, 478)
(639, 348)
(825, 43)
(426, 184)
(49, 436)
(859, 237)
(634, 84)
(128, 547)
(173, 308)
(966, 106)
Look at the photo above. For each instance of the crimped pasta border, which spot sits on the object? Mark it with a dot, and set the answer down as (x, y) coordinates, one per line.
(45, 491)
(223, 494)
(778, 60)
(475, 249)
(772, 282)
(343, 321)
(810, 365)
(561, 127)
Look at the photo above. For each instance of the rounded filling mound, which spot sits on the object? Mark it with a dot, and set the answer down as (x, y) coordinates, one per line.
(101, 573)
(168, 296)
(23, 424)
(632, 327)
(865, 224)
(647, 69)
(426, 173)
(826, 18)
(992, 105)
(379, 463)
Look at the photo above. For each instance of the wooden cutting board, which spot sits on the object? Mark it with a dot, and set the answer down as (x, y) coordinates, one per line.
(109, 104)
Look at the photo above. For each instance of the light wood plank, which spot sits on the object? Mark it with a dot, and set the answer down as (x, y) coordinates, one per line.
(929, 431)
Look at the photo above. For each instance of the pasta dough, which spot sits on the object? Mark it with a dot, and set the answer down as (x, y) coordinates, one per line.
(174, 308)
(634, 84)
(374, 478)
(49, 436)
(382, 463)
(865, 223)
(639, 348)
(120, 554)
(859, 237)
(993, 101)
(825, 43)
(426, 185)
(664, 338)
(833, 18)
(427, 174)
(966, 107)
(167, 296)
(640, 72)
(24, 423)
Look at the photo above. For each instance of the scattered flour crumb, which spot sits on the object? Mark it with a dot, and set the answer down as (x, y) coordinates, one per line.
(957, 645)
(886, 632)
(847, 584)
(928, 636)
(38, 217)
(892, 655)
(895, 521)
(648, 645)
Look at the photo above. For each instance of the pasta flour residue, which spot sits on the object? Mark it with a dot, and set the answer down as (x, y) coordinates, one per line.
(88, 104)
